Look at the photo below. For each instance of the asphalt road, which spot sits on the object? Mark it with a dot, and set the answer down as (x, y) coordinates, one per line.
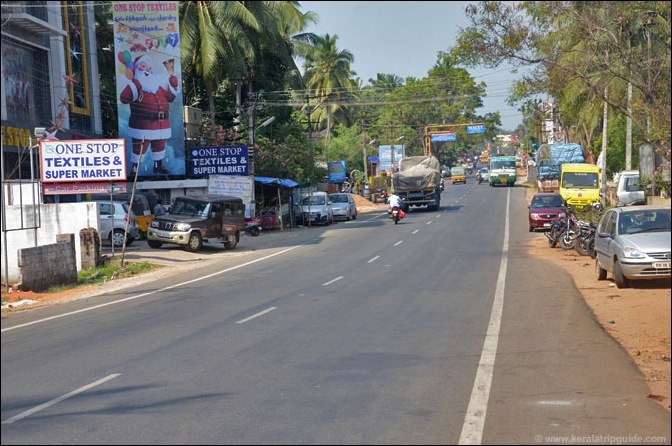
(438, 330)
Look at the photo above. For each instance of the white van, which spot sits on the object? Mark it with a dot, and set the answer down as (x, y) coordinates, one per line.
(628, 190)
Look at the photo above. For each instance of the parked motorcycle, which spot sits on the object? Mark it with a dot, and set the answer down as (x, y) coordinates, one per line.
(557, 229)
(253, 226)
(585, 245)
(567, 239)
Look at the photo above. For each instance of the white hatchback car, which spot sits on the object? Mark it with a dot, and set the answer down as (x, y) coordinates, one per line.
(112, 217)
(314, 208)
(344, 206)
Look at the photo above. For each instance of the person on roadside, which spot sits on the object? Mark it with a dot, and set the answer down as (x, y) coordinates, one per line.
(159, 209)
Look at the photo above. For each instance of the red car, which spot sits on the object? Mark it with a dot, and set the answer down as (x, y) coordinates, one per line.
(545, 207)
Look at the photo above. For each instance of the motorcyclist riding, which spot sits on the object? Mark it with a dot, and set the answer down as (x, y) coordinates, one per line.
(393, 200)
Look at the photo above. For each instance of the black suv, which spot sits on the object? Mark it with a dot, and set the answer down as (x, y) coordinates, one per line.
(194, 219)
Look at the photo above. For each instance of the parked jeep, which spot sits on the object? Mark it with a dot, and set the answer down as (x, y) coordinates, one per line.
(194, 219)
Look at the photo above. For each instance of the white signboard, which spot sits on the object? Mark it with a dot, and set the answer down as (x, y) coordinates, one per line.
(236, 186)
(83, 160)
(385, 157)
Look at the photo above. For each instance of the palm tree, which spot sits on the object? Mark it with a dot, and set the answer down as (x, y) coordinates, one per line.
(327, 76)
(215, 44)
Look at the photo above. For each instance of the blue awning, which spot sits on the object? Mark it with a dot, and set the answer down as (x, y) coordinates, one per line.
(281, 182)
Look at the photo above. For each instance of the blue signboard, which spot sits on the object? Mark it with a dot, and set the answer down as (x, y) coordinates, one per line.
(337, 174)
(219, 160)
(477, 128)
(439, 137)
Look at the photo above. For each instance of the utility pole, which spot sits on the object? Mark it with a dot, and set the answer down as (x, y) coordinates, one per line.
(392, 146)
(366, 170)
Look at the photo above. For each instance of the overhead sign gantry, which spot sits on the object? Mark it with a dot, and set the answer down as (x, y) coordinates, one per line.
(444, 132)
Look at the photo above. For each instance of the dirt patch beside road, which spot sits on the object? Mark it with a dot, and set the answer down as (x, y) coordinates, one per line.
(637, 317)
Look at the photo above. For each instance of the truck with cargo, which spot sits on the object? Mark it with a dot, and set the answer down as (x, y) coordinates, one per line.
(195, 219)
(550, 157)
(418, 182)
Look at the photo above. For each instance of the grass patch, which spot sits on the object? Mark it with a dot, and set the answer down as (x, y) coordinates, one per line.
(112, 270)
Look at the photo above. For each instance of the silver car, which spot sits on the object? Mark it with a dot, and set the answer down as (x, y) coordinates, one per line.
(344, 206)
(314, 208)
(112, 216)
(633, 243)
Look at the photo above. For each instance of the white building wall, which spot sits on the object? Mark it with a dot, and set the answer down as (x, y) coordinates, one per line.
(64, 218)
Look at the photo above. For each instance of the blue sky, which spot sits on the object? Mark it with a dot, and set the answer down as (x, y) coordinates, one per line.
(404, 38)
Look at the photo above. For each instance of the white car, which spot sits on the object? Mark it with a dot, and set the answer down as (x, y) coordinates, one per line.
(344, 206)
(314, 208)
(112, 216)
(633, 243)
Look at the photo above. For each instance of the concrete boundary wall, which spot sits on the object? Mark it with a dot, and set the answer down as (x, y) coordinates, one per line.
(48, 265)
(53, 219)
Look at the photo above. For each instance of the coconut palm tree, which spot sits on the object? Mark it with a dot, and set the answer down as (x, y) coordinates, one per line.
(327, 77)
(215, 43)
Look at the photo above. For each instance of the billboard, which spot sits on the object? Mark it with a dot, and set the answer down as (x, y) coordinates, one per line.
(237, 186)
(337, 173)
(385, 155)
(149, 81)
(219, 160)
(83, 160)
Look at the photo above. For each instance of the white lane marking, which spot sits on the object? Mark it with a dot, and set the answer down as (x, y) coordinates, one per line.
(261, 313)
(373, 259)
(474, 420)
(416, 231)
(399, 243)
(149, 293)
(59, 399)
(555, 403)
(429, 222)
(332, 281)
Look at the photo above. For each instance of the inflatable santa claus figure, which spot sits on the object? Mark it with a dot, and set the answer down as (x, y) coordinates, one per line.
(149, 95)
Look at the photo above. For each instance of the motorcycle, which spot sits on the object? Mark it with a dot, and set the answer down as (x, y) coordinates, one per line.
(585, 245)
(396, 214)
(480, 178)
(443, 184)
(383, 194)
(253, 226)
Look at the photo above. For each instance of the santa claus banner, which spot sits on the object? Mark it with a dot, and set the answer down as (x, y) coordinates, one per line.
(149, 87)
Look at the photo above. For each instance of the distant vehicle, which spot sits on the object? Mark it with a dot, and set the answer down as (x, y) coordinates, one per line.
(633, 243)
(113, 216)
(543, 209)
(580, 184)
(418, 182)
(483, 173)
(628, 189)
(502, 171)
(344, 206)
(314, 208)
(458, 175)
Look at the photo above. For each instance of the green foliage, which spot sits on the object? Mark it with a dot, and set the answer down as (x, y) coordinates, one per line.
(108, 271)
(659, 184)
